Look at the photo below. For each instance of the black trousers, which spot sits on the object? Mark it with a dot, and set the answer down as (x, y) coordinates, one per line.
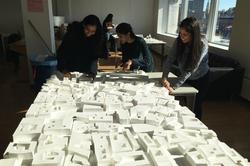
(201, 85)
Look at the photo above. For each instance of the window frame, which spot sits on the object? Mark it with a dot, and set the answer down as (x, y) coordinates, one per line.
(162, 24)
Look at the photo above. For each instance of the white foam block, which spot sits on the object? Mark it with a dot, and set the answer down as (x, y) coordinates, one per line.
(39, 110)
(196, 158)
(174, 104)
(80, 144)
(146, 141)
(193, 136)
(92, 108)
(136, 158)
(192, 123)
(211, 151)
(161, 157)
(133, 142)
(52, 142)
(101, 119)
(49, 158)
(174, 137)
(143, 128)
(105, 127)
(138, 113)
(154, 119)
(123, 116)
(231, 153)
(29, 129)
(144, 100)
(185, 147)
(20, 150)
(75, 160)
(185, 111)
(102, 149)
(10, 162)
(44, 97)
(80, 127)
(119, 143)
(171, 124)
(59, 126)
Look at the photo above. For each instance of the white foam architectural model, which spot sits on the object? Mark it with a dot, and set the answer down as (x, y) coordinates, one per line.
(74, 123)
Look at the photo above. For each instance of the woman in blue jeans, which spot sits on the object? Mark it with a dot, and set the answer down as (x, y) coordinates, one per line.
(190, 51)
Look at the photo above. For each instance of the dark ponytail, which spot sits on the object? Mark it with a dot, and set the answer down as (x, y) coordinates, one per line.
(124, 29)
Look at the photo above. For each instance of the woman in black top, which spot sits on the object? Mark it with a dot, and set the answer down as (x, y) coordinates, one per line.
(135, 52)
(81, 47)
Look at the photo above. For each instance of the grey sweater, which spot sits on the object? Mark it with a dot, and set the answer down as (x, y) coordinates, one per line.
(200, 70)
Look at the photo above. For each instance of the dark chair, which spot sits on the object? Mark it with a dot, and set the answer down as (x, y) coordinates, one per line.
(226, 77)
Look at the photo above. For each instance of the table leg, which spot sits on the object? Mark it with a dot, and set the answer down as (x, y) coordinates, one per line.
(191, 101)
(4, 48)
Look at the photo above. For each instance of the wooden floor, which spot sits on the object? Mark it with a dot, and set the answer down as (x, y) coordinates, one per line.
(229, 119)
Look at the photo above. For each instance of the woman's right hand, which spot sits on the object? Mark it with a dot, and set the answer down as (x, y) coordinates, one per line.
(166, 84)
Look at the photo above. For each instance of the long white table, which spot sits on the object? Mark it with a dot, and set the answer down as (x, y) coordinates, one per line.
(81, 123)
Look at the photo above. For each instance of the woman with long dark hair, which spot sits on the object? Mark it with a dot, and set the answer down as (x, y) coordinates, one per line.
(135, 52)
(81, 47)
(190, 51)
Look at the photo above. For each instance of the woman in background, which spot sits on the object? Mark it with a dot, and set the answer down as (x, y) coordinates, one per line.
(135, 52)
(190, 51)
(107, 28)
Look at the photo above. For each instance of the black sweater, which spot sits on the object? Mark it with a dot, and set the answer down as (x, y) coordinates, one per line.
(79, 53)
(139, 53)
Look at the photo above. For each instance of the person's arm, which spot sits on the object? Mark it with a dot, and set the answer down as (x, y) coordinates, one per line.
(63, 54)
(125, 54)
(145, 63)
(169, 61)
(184, 76)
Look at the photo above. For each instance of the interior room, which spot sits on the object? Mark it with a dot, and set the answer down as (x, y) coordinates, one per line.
(124, 82)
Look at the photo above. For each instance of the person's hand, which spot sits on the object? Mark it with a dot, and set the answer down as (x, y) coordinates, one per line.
(67, 74)
(167, 85)
(127, 65)
(171, 90)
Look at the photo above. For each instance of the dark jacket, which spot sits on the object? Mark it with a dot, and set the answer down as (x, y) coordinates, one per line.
(79, 53)
(139, 53)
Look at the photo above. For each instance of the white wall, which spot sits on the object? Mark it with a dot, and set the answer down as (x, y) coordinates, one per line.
(63, 9)
(11, 16)
(239, 44)
(139, 13)
(43, 21)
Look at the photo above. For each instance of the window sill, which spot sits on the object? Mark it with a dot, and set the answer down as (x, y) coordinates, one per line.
(218, 46)
(214, 45)
(167, 35)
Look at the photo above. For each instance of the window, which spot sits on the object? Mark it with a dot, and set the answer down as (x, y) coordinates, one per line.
(215, 17)
(224, 22)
